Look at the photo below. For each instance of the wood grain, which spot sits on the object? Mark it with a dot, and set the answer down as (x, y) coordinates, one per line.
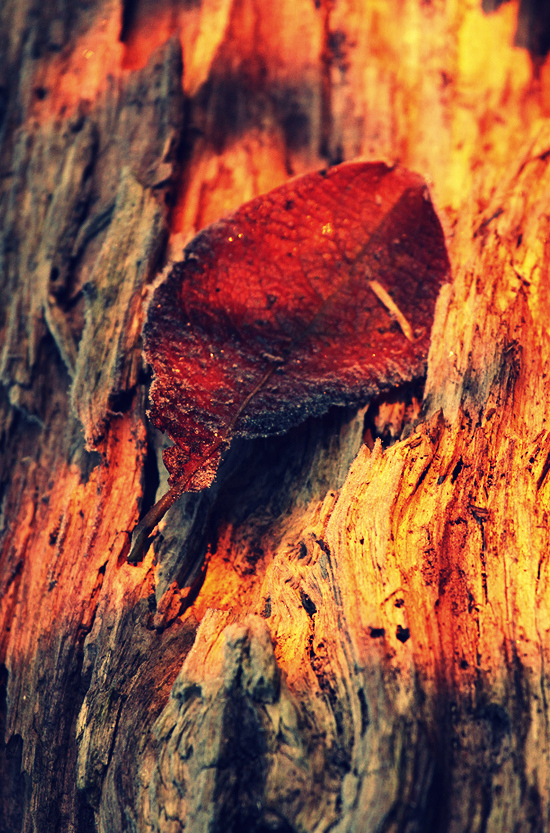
(336, 635)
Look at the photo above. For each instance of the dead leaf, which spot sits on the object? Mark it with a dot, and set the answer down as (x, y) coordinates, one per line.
(271, 317)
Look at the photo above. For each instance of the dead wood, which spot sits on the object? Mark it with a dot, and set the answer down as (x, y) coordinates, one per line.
(336, 635)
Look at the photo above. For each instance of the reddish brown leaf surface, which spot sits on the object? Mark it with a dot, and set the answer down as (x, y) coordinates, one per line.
(271, 318)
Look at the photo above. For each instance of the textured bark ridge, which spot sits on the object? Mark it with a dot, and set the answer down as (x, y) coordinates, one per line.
(339, 634)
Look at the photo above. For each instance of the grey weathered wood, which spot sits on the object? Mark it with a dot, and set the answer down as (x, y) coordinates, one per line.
(369, 647)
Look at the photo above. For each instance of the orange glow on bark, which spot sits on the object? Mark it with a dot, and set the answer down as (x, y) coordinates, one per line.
(489, 99)
(90, 519)
(79, 74)
(146, 35)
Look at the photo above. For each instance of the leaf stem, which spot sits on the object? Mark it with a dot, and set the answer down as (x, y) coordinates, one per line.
(147, 524)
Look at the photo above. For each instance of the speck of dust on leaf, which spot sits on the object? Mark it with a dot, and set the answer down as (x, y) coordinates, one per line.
(319, 293)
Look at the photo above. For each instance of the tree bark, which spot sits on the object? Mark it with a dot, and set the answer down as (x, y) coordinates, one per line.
(337, 635)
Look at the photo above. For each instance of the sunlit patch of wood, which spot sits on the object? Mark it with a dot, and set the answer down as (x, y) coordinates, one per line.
(77, 75)
(145, 30)
(217, 184)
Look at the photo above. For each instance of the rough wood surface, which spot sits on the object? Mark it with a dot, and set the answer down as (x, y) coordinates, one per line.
(334, 636)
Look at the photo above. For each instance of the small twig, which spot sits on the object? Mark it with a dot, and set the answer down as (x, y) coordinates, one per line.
(392, 308)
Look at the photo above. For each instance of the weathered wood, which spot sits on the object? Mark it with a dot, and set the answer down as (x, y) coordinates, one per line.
(331, 637)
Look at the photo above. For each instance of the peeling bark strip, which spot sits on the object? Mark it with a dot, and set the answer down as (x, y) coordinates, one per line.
(113, 301)
(96, 180)
(83, 199)
(370, 646)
